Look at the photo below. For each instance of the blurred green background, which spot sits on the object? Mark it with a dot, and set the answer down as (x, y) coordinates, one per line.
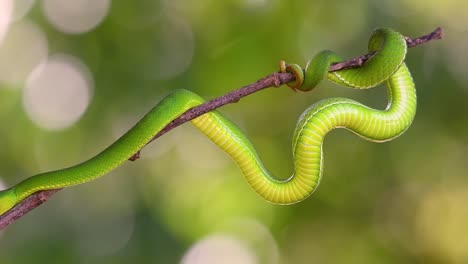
(75, 75)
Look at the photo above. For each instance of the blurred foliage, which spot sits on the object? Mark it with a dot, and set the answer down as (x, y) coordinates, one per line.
(398, 202)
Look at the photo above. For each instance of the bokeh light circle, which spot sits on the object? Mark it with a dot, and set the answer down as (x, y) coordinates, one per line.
(75, 17)
(219, 249)
(57, 92)
(256, 235)
(6, 13)
(24, 47)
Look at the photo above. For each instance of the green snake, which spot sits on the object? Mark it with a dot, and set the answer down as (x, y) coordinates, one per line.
(374, 125)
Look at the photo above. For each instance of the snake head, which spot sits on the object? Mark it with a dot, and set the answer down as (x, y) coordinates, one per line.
(7, 200)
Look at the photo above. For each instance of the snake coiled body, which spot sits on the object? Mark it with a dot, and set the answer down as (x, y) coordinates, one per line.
(320, 118)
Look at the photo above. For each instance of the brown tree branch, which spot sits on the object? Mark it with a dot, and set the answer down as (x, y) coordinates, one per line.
(273, 80)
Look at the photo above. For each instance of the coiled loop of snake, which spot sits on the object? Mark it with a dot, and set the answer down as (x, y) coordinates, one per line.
(374, 125)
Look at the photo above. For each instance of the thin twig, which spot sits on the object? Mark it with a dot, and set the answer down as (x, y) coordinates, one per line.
(273, 80)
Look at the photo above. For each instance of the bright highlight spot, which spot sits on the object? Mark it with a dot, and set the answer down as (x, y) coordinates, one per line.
(76, 16)
(57, 93)
(219, 249)
(24, 47)
(6, 12)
